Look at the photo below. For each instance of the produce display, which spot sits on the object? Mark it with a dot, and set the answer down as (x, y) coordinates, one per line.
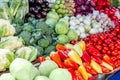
(59, 39)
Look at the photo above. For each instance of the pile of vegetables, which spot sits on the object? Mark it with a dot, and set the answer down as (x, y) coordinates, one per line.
(13, 9)
(58, 39)
(38, 9)
(38, 34)
(60, 8)
(84, 7)
(91, 24)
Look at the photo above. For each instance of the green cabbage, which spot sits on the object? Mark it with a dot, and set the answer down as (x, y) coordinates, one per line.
(51, 22)
(6, 57)
(41, 78)
(6, 76)
(29, 53)
(62, 39)
(11, 42)
(53, 15)
(60, 74)
(72, 35)
(46, 67)
(22, 69)
(6, 29)
(61, 28)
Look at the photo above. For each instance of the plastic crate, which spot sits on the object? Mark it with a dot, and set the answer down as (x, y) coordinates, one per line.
(116, 76)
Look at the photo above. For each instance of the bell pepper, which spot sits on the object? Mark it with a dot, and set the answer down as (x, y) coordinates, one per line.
(41, 59)
(78, 49)
(63, 54)
(96, 59)
(83, 72)
(107, 65)
(107, 59)
(60, 47)
(89, 75)
(75, 57)
(71, 70)
(69, 46)
(89, 69)
(96, 66)
(86, 57)
(93, 51)
(78, 75)
(82, 45)
(70, 63)
(104, 69)
(56, 58)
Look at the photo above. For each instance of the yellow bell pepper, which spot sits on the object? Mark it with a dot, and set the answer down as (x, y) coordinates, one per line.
(107, 65)
(96, 66)
(75, 57)
(82, 45)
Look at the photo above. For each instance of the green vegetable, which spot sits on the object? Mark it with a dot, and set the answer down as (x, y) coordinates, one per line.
(14, 5)
(27, 27)
(51, 22)
(43, 43)
(22, 69)
(6, 57)
(29, 53)
(40, 50)
(49, 49)
(52, 15)
(60, 74)
(6, 29)
(61, 28)
(25, 35)
(62, 39)
(115, 3)
(1, 1)
(47, 67)
(41, 78)
(6, 76)
(11, 42)
(72, 35)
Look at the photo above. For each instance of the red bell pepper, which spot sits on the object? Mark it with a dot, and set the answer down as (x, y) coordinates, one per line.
(78, 75)
(41, 59)
(68, 63)
(71, 70)
(96, 59)
(93, 51)
(104, 69)
(56, 58)
(60, 47)
(86, 57)
(89, 69)
(63, 54)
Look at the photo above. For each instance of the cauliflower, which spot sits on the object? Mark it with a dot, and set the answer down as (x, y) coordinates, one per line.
(11, 42)
(6, 29)
(7, 76)
(6, 56)
(29, 53)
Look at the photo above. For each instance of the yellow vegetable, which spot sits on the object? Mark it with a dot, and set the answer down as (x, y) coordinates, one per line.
(82, 45)
(96, 66)
(107, 65)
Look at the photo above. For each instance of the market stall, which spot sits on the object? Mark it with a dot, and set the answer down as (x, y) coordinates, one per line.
(59, 39)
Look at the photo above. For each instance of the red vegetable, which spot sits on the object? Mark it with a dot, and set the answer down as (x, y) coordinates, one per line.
(71, 70)
(78, 75)
(86, 57)
(41, 59)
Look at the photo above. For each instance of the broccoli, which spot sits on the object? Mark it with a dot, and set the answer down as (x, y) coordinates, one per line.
(43, 43)
(27, 27)
(33, 41)
(42, 26)
(18, 29)
(49, 49)
(18, 21)
(40, 50)
(25, 35)
(37, 35)
(49, 38)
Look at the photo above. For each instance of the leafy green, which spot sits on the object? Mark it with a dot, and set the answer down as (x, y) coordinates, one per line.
(53, 15)
(62, 39)
(28, 27)
(61, 28)
(29, 53)
(43, 43)
(47, 67)
(41, 78)
(6, 76)
(22, 69)
(49, 49)
(60, 74)
(25, 35)
(72, 35)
